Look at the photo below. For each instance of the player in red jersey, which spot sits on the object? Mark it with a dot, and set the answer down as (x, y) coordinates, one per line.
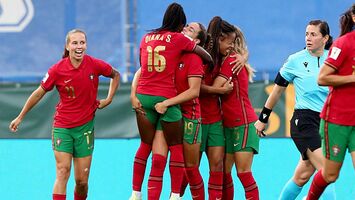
(338, 118)
(222, 37)
(160, 54)
(242, 141)
(76, 78)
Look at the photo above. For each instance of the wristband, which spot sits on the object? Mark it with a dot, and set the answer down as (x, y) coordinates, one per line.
(264, 115)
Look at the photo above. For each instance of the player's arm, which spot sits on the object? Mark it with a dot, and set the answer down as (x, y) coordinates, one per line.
(191, 93)
(277, 90)
(206, 57)
(34, 98)
(136, 104)
(327, 77)
(220, 86)
(114, 84)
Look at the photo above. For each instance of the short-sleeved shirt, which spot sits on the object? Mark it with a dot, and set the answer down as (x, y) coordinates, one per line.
(190, 66)
(236, 106)
(210, 106)
(340, 104)
(77, 89)
(160, 54)
(302, 69)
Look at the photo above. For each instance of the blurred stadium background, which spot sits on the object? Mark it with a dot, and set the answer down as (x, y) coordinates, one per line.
(32, 39)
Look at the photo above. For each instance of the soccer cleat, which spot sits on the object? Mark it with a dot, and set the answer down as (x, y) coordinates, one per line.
(174, 196)
(134, 196)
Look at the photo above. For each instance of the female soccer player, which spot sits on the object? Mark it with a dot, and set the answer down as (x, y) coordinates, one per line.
(222, 37)
(338, 119)
(302, 68)
(242, 141)
(160, 53)
(76, 78)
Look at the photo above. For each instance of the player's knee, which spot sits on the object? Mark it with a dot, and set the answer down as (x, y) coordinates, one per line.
(63, 172)
(81, 187)
(217, 165)
(331, 177)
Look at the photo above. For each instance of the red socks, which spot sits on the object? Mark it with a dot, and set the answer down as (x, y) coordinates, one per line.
(249, 184)
(317, 187)
(183, 184)
(78, 197)
(155, 180)
(215, 185)
(139, 165)
(228, 187)
(176, 167)
(59, 197)
(196, 183)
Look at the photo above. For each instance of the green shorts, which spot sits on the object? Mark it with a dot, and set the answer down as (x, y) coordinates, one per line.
(148, 102)
(336, 139)
(192, 130)
(242, 138)
(212, 135)
(78, 141)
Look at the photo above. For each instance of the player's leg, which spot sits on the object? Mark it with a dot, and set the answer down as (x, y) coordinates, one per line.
(62, 143)
(215, 153)
(302, 174)
(191, 144)
(146, 127)
(160, 151)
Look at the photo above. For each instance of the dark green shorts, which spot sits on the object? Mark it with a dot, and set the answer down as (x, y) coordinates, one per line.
(242, 138)
(192, 130)
(336, 139)
(78, 141)
(212, 135)
(172, 114)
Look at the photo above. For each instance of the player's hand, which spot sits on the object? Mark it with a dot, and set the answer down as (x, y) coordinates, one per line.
(137, 106)
(14, 124)
(237, 64)
(260, 128)
(103, 103)
(228, 86)
(161, 107)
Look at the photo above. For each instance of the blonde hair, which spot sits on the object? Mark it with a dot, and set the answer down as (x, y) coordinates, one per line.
(242, 49)
(67, 40)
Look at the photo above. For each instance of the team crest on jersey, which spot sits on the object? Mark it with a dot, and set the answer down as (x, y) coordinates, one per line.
(335, 150)
(181, 66)
(305, 64)
(58, 142)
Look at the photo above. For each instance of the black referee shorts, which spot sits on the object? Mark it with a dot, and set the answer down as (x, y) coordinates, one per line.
(305, 131)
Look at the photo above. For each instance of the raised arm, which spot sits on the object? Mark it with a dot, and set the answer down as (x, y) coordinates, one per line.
(34, 98)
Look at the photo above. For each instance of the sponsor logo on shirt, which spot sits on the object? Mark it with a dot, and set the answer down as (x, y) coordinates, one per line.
(335, 51)
(91, 76)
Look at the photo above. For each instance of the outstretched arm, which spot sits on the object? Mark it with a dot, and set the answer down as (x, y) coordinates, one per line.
(34, 98)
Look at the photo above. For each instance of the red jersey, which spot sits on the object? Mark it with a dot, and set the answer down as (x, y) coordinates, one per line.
(339, 107)
(210, 106)
(77, 89)
(190, 66)
(160, 54)
(236, 106)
